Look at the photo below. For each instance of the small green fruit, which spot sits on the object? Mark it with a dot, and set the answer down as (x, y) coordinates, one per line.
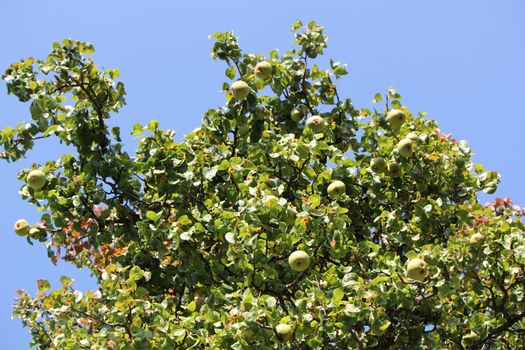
(396, 118)
(378, 164)
(263, 70)
(22, 227)
(299, 260)
(296, 114)
(477, 239)
(336, 188)
(290, 216)
(406, 148)
(315, 123)
(284, 332)
(417, 269)
(394, 170)
(240, 90)
(36, 179)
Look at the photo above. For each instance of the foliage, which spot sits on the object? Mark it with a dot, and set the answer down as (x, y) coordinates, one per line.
(191, 250)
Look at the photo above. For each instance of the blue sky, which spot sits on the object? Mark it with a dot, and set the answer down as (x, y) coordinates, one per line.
(460, 61)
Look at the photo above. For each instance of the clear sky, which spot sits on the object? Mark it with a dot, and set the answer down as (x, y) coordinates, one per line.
(463, 62)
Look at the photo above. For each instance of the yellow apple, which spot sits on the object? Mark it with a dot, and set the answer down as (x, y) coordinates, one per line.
(22, 227)
(263, 70)
(396, 118)
(417, 269)
(336, 188)
(315, 123)
(284, 332)
(240, 90)
(378, 164)
(394, 170)
(406, 148)
(36, 179)
(299, 260)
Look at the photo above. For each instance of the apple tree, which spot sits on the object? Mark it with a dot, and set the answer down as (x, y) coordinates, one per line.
(289, 219)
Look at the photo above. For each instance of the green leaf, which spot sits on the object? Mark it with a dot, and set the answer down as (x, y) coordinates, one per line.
(153, 216)
(136, 273)
(123, 301)
(377, 98)
(209, 173)
(314, 200)
(66, 281)
(230, 72)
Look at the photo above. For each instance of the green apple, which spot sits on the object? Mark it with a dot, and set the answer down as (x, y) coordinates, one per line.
(417, 269)
(477, 239)
(336, 188)
(396, 118)
(290, 216)
(412, 136)
(299, 260)
(378, 164)
(263, 70)
(240, 89)
(271, 200)
(315, 123)
(406, 147)
(22, 227)
(394, 170)
(297, 114)
(36, 179)
(284, 332)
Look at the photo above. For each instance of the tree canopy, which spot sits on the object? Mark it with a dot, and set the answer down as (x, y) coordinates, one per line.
(289, 219)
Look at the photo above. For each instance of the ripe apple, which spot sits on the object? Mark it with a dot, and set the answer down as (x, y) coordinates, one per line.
(412, 136)
(477, 239)
(263, 70)
(290, 216)
(284, 332)
(336, 188)
(396, 118)
(394, 170)
(240, 89)
(315, 123)
(406, 148)
(36, 179)
(378, 164)
(22, 227)
(299, 260)
(417, 269)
